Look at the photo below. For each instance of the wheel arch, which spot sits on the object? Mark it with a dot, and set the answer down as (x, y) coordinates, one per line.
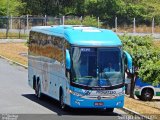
(34, 82)
(60, 91)
(148, 87)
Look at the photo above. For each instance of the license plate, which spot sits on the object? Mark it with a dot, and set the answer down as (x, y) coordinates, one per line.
(98, 104)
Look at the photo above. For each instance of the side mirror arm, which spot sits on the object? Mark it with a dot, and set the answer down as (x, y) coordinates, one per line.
(129, 62)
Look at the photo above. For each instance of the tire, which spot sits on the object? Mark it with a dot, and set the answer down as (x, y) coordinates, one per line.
(110, 110)
(38, 91)
(139, 97)
(147, 94)
(62, 104)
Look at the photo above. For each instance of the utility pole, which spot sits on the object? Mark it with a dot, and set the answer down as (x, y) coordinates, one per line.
(7, 19)
(153, 26)
(116, 24)
(134, 25)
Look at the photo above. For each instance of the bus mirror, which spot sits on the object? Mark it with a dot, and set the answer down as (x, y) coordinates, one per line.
(129, 61)
(68, 60)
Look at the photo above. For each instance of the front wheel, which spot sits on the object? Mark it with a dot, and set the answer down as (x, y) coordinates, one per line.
(62, 104)
(109, 110)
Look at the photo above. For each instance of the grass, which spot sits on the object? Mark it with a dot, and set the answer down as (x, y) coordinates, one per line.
(14, 52)
(145, 108)
(157, 43)
(12, 35)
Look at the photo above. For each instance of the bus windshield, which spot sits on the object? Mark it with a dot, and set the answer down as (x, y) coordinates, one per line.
(96, 67)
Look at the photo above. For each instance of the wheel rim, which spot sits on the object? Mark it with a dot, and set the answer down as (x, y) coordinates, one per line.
(148, 95)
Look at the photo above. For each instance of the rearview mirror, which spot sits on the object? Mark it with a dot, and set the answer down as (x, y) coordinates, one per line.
(128, 57)
(68, 60)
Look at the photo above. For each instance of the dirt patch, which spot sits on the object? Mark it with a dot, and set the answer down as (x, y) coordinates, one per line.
(14, 51)
(157, 43)
(145, 108)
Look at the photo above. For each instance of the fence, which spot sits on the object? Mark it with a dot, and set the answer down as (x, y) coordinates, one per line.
(19, 27)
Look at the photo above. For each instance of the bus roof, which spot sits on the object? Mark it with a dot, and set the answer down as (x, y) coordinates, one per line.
(81, 36)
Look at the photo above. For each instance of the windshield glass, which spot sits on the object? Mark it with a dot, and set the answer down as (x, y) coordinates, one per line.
(96, 66)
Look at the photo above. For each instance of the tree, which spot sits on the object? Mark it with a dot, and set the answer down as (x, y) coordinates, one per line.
(48, 7)
(87, 21)
(10, 7)
(146, 58)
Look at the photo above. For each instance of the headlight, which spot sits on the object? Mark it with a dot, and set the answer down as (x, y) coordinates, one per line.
(75, 93)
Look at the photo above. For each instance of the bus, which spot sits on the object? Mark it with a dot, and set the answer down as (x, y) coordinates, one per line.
(145, 91)
(81, 67)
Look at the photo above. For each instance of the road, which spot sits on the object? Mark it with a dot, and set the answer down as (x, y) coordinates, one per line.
(13, 41)
(17, 98)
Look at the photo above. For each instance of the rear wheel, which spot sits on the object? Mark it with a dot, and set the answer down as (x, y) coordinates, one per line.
(38, 90)
(147, 94)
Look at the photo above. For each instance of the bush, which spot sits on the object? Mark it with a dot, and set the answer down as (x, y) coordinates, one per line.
(146, 57)
(87, 21)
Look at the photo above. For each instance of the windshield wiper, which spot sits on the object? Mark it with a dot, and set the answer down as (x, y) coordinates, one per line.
(87, 77)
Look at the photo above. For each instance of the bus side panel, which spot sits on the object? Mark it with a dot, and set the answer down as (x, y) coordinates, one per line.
(34, 70)
(157, 91)
(51, 74)
(58, 80)
(53, 77)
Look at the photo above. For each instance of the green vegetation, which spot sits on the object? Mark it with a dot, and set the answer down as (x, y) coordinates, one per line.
(146, 57)
(11, 7)
(12, 35)
(106, 10)
(87, 21)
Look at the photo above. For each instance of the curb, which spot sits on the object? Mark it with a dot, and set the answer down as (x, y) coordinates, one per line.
(14, 62)
(131, 112)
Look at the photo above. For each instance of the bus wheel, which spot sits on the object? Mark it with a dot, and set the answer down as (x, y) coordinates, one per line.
(138, 96)
(38, 91)
(62, 104)
(109, 110)
(147, 94)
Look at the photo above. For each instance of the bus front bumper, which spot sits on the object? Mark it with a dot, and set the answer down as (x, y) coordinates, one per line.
(78, 102)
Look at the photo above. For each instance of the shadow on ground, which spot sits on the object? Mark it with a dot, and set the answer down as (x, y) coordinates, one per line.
(155, 100)
(53, 105)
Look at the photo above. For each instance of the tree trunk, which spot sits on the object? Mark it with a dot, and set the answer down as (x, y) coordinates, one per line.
(132, 86)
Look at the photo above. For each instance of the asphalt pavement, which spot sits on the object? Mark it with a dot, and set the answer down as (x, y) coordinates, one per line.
(17, 100)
